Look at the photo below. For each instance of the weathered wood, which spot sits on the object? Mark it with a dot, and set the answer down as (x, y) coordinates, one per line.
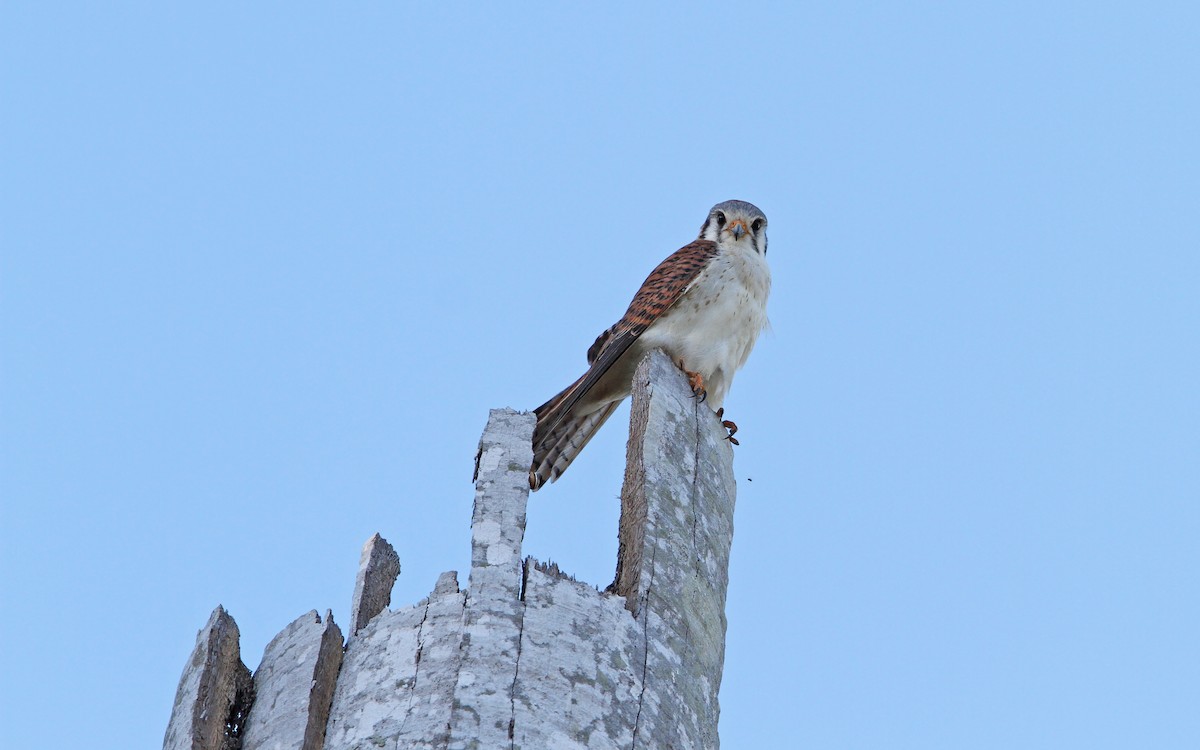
(214, 692)
(447, 583)
(483, 702)
(676, 531)
(525, 657)
(293, 686)
(376, 681)
(427, 716)
(581, 667)
(378, 568)
(498, 517)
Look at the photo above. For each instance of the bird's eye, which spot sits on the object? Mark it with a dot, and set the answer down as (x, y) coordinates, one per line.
(757, 225)
(720, 218)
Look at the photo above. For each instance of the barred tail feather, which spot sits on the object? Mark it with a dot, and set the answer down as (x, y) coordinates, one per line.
(554, 452)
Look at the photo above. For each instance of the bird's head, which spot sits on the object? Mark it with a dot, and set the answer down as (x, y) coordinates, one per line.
(736, 222)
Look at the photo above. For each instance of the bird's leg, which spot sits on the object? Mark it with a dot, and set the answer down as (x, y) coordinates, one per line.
(696, 381)
(729, 425)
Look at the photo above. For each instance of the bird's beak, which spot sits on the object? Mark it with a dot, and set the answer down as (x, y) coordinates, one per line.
(738, 227)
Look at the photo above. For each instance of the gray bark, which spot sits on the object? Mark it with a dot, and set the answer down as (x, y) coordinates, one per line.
(397, 683)
(676, 531)
(214, 692)
(378, 567)
(581, 675)
(293, 686)
(483, 703)
(527, 657)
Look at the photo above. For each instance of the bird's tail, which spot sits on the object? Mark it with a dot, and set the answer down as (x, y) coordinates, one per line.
(558, 437)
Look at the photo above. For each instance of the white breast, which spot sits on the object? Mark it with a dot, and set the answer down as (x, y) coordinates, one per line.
(713, 327)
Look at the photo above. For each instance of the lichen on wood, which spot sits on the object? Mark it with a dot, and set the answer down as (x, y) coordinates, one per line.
(525, 656)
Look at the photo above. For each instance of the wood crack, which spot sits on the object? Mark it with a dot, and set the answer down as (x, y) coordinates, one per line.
(695, 482)
(412, 691)
(645, 613)
(512, 691)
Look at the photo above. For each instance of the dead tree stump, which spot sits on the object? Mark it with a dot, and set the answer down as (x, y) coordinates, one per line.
(525, 657)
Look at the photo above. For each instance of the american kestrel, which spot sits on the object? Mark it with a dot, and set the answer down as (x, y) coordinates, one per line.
(704, 305)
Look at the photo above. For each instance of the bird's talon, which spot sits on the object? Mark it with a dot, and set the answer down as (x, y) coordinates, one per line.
(729, 425)
(696, 381)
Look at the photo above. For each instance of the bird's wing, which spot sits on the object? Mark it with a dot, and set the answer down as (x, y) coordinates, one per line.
(661, 289)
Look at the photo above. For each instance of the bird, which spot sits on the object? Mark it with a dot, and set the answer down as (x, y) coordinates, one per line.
(705, 306)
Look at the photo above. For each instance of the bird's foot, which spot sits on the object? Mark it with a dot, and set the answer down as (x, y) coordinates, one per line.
(729, 425)
(696, 381)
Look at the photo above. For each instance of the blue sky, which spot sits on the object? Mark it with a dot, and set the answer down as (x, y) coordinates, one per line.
(265, 270)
